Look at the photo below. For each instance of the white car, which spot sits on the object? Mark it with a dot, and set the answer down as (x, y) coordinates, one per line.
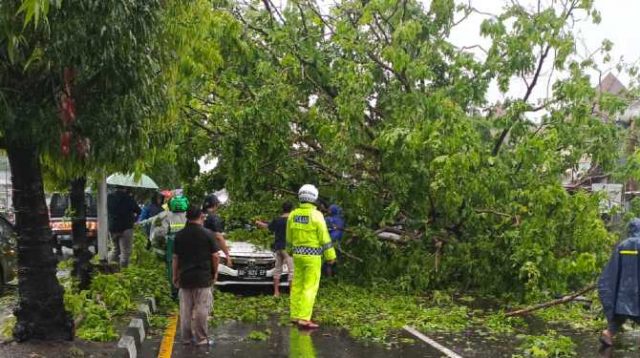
(252, 265)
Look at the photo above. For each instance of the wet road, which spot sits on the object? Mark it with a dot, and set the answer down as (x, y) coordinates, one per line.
(232, 340)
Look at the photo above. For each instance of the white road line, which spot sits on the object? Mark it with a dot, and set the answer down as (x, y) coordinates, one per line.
(448, 352)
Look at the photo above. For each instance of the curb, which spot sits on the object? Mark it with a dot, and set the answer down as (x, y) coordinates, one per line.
(130, 343)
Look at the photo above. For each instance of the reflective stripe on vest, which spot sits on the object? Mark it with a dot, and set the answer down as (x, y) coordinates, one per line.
(628, 252)
(304, 250)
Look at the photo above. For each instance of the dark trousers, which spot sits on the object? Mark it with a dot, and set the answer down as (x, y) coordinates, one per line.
(617, 322)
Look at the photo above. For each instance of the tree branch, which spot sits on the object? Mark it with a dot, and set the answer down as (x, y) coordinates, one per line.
(565, 299)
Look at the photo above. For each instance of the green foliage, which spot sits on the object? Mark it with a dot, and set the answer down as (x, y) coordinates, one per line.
(375, 315)
(253, 309)
(6, 329)
(375, 105)
(548, 345)
(498, 323)
(259, 335)
(575, 316)
(115, 295)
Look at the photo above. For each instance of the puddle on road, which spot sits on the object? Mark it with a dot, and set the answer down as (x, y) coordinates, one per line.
(232, 340)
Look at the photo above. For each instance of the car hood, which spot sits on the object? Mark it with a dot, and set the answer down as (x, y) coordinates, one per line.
(246, 249)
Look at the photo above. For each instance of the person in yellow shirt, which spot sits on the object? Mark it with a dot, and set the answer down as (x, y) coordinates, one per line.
(309, 240)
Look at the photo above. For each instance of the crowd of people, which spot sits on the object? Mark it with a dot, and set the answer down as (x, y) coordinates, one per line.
(192, 236)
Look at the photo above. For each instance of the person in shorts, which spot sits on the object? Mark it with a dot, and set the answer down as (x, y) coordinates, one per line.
(278, 226)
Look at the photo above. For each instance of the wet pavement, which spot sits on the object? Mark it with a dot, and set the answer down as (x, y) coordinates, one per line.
(233, 340)
(282, 340)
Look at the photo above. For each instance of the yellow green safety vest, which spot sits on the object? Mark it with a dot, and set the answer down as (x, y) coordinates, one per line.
(307, 233)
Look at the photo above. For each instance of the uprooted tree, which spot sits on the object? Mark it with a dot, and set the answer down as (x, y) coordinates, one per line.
(372, 101)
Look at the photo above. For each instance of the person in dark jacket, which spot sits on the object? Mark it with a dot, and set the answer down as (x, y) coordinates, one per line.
(122, 210)
(335, 224)
(150, 210)
(619, 284)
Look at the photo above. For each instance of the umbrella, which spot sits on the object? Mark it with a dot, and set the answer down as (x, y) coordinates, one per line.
(129, 180)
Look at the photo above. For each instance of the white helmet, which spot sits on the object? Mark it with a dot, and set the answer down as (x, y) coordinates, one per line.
(308, 193)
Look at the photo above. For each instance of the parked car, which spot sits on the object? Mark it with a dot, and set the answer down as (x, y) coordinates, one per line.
(8, 252)
(60, 222)
(252, 265)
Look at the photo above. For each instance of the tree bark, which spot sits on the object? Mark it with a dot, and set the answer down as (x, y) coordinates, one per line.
(40, 313)
(82, 256)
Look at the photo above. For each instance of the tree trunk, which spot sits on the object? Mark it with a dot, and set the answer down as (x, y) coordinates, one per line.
(40, 313)
(82, 256)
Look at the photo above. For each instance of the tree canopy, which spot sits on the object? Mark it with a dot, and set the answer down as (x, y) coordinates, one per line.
(373, 102)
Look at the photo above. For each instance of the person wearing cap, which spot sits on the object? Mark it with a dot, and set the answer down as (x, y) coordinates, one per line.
(309, 239)
(214, 223)
(122, 210)
(170, 222)
(619, 284)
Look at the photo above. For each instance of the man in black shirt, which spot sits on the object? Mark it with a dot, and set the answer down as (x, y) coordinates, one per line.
(122, 210)
(278, 227)
(195, 265)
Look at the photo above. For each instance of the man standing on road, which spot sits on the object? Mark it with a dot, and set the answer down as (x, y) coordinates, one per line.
(619, 284)
(195, 264)
(308, 235)
(278, 227)
(122, 210)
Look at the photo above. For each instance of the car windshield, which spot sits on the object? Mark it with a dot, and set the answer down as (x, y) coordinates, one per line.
(60, 203)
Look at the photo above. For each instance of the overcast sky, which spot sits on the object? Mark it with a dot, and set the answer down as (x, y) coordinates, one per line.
(620, 24)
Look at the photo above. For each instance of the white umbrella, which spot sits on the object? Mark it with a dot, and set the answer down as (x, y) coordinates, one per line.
(129, 181)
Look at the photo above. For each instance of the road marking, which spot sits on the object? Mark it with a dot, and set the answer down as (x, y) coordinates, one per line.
(448, 352)
(166, 347)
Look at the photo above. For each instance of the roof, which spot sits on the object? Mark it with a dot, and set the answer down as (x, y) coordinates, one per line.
(611, 84)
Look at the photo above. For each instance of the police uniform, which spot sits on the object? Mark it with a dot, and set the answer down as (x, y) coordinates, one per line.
(309, 241)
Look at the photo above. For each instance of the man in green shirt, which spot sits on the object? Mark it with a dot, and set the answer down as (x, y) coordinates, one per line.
(309, 239)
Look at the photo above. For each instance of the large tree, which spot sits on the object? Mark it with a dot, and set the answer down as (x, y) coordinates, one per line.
(80, 86)
(373, 101)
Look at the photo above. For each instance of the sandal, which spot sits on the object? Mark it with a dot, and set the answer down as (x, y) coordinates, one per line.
(606, 339)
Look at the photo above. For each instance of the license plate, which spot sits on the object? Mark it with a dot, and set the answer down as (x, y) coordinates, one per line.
(252, 273)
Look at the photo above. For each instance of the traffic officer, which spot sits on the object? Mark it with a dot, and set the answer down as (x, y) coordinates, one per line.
(309, 239)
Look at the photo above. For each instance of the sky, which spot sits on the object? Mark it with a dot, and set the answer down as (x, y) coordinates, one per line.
(620, 24)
